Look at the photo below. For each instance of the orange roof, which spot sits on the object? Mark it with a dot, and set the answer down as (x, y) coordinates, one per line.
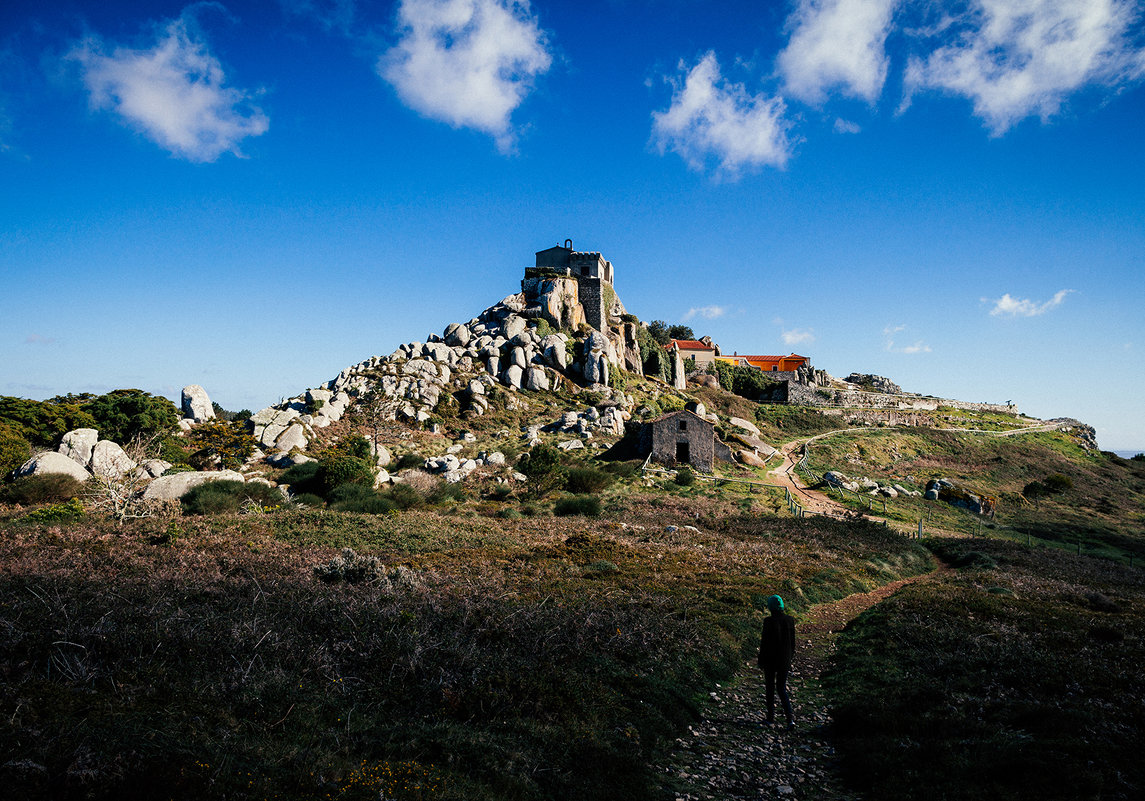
(767, 358)
(689, 344)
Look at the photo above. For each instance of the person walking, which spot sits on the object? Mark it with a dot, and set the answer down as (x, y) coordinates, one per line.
(776, 650)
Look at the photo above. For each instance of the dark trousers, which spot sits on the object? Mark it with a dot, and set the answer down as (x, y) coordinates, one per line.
(776, 679)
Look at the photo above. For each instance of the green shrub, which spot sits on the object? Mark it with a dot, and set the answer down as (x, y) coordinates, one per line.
(222, 497)
(42, 423)
(1035, 490)
(337, 470)
(14, 449)
(351, 567)
(59, 513)
(403, 496)
(302, 478)
(585, 505)
(1058, 483)
(220, 444)
(543, 327)
(583, 480)
(509, 513)
(530, 510)
(44, 488)
(622, 469)
(975, 560)
(359, 498)
(126, 414)
(355, 445)
(542, 466)
(444, 493)
(501, 492)
(307, 500)
(600, 567)
(408, 461)
(685, 477)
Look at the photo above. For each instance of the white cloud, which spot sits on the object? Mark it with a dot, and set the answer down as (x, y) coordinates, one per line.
(173, 92)
(1016, 58)
(846, 126)
(798, 336)
(707, 312)
(837, 44)
(890, 332)
(709, 118)
(1015, 307)
(469, 63)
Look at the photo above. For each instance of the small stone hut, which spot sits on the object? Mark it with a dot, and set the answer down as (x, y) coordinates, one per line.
(681, 438)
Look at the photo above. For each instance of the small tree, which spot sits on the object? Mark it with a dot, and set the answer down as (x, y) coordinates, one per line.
(542, 466)
(220, 444)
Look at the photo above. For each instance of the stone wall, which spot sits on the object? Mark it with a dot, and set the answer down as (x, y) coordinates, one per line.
(591, 297)
(698, 434)
(890, 417)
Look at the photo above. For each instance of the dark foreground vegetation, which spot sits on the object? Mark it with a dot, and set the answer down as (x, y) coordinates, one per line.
(1017, 675)
(450, 656)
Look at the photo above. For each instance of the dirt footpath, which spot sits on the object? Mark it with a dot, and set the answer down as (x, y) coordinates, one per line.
(730, 754)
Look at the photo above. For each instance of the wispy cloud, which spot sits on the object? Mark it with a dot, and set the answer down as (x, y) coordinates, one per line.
(837, 44)
(469, 63)
(1018, 307)
(175, 93)
(1017, 58)
(39, 339)
(710, 118)
(890, 334)
(843, 126)
(798, 336)
(333, 15)
(707, 312)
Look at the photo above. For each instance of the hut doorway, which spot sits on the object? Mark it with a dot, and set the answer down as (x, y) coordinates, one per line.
(683, 453)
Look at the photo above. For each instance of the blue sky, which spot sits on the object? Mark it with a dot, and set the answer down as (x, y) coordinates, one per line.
(252, 196)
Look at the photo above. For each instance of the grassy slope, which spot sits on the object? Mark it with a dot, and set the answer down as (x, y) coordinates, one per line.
(1105, 509)
(535, 658)
(1016, 676)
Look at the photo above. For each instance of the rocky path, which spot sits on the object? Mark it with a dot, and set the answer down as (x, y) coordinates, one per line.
(731, 755)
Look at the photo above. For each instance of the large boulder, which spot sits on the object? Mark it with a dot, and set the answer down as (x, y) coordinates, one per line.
(268, 424)
(457, 335)
(176, 485)
(77, 445)
(705, 380)
(108, 459)
(52, 462)
(746, 425)
(293, 437)
(537, 379)
(595, 369)
(513, 376)
(197, 405)
(750, 458)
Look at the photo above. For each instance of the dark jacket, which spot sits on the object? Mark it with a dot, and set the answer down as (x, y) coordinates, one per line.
(777, 644)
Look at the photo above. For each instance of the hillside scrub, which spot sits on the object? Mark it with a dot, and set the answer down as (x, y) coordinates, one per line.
(1017, 675)
(529, 658)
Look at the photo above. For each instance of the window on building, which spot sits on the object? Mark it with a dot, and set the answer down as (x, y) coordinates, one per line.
(683, 425)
